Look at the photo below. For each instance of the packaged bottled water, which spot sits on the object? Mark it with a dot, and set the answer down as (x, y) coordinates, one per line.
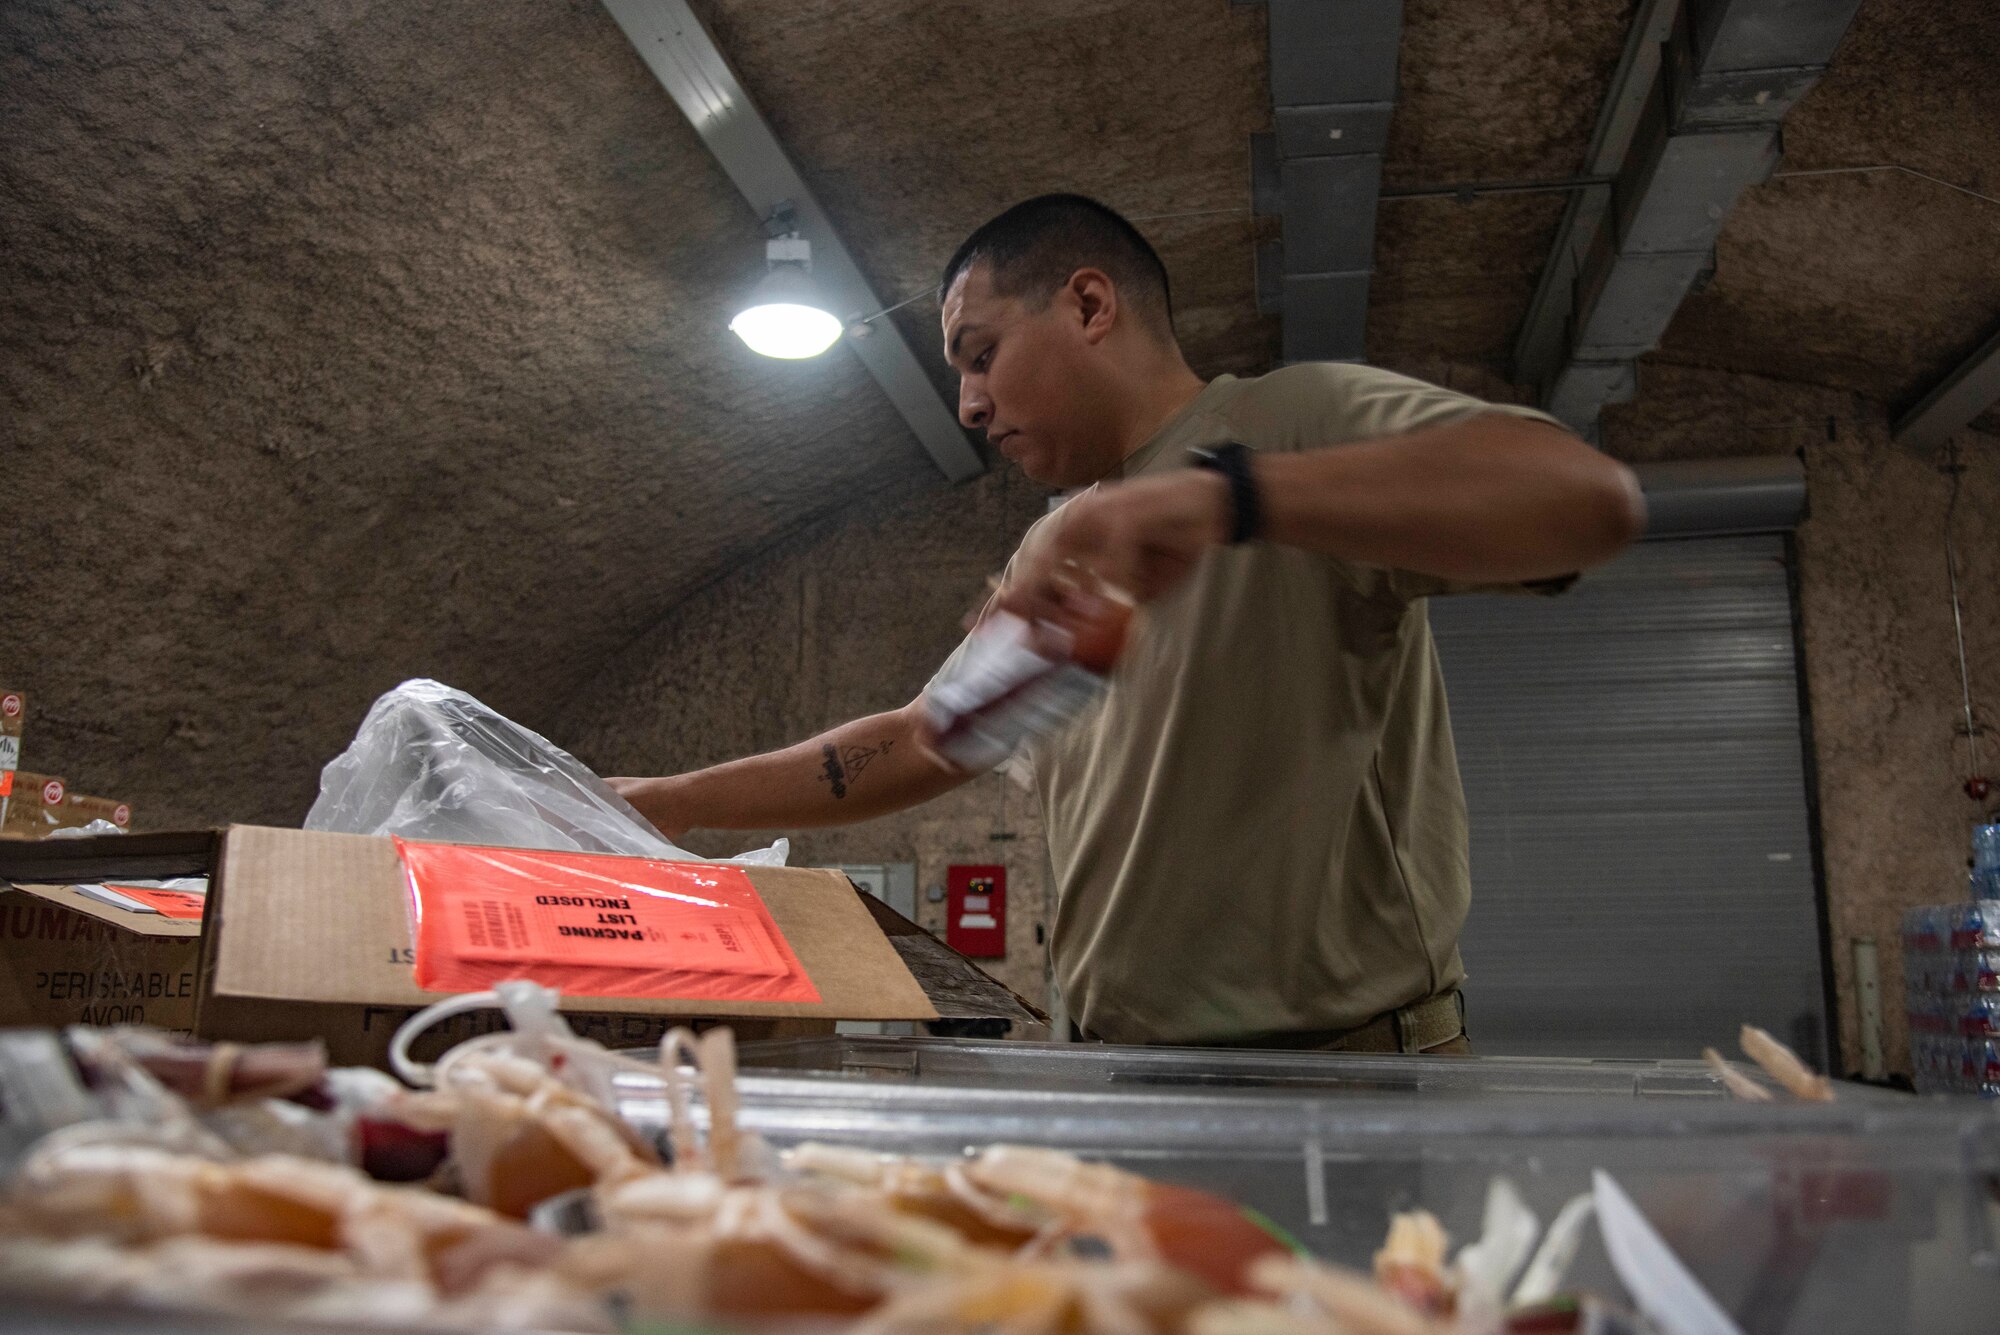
(1986, 862)
(1976, 926)
(1951, 982)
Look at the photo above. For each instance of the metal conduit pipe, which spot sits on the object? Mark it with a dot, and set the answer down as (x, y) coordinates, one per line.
(1706, 498)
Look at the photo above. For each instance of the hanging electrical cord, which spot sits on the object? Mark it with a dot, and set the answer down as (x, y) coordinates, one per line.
(863, 326)
(1883, 167)
(1977, 785)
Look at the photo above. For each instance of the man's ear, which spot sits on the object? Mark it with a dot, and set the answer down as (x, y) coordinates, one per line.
(1095, 298)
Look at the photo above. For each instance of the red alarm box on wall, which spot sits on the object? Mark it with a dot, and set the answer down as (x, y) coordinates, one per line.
(975, 921)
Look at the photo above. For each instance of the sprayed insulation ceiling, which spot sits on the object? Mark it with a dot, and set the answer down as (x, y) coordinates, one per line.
(349, 342)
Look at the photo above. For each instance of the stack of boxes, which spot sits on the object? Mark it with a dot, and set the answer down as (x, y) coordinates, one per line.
(42, 803)
(33, 805)
(1951, 972)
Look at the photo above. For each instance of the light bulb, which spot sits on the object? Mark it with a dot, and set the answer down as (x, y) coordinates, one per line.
(786, 315)
(786, 329)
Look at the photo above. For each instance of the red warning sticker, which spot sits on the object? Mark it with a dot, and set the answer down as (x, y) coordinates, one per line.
(595, 925)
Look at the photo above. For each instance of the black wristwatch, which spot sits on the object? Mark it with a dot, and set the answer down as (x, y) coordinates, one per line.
(1245, 501)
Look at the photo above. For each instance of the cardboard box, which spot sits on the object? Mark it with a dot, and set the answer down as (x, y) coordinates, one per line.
(82, 809)
(67, 959)
(43, 803)
(306, 935)
(13, 715)
(35, 806)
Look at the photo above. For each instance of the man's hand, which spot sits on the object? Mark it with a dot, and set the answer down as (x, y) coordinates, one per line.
(1142, 537)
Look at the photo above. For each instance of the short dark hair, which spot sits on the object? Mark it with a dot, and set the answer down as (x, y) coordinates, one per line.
(1035, 246)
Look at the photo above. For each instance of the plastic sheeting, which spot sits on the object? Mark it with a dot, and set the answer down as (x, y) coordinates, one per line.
(433, 763)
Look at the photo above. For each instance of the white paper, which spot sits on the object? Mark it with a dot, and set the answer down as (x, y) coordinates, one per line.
(1661, 1287)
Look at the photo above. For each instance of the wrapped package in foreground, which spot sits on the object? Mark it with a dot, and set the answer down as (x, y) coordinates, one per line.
(541, 1206)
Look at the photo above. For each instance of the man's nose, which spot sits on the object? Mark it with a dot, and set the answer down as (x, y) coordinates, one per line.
(975, 410)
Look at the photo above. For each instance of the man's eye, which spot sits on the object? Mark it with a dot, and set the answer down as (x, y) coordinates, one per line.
(980, 362)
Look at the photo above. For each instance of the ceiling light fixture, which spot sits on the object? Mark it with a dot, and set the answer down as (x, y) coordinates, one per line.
(786, 315)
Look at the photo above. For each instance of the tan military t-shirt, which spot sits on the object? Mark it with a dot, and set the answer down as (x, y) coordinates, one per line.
(1260, 828)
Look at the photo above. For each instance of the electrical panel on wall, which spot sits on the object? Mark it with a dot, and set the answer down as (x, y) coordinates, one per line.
(894, 883)
(975, 922)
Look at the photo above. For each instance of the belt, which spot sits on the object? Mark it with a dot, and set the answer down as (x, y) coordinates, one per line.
(1412, 1028)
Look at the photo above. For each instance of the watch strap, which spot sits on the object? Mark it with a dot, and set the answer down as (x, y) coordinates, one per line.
(1246, 503)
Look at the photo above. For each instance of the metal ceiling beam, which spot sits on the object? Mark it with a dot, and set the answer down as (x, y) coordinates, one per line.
(1542, 344)
(1959, 397)
(685, 59)
(1333, 88)
(1692, 120)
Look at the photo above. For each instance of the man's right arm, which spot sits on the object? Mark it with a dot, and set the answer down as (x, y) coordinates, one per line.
(855, 772)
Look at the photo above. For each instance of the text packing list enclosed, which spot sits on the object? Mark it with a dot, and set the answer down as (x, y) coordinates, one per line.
(595, 925)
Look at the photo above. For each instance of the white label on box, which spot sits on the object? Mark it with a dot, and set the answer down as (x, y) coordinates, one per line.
(10, 751)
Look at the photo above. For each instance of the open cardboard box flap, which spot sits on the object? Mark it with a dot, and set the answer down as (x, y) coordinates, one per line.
(139, 924)
(305, 916)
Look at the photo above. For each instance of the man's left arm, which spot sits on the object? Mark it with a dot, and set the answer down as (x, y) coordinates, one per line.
(1492, 499)
(1488, 499)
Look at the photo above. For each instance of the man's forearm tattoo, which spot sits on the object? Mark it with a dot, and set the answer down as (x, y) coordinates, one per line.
(841, 766)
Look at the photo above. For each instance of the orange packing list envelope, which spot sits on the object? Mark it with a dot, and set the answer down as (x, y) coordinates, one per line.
(182, 904)
(591, 924)
(630, 931)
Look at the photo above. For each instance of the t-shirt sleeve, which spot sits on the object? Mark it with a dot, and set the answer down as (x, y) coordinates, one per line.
(1357, 403)
(1321, 405)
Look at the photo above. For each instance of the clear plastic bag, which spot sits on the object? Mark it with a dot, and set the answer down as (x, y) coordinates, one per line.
(432, 763)
(90, 831)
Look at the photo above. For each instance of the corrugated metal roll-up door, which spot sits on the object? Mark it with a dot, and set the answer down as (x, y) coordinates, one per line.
(1642, 869)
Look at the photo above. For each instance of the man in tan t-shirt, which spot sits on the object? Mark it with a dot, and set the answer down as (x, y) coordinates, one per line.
(1258, 835)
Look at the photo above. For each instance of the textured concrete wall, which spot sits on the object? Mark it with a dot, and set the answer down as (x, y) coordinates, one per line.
(346, 343)
(845, 620)
(1881, 665)
(1884, 683)
(853, 616)
(342, 343)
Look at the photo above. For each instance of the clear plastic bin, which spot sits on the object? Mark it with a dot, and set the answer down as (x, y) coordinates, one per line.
(1106, 1066)
(1871, 1214)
